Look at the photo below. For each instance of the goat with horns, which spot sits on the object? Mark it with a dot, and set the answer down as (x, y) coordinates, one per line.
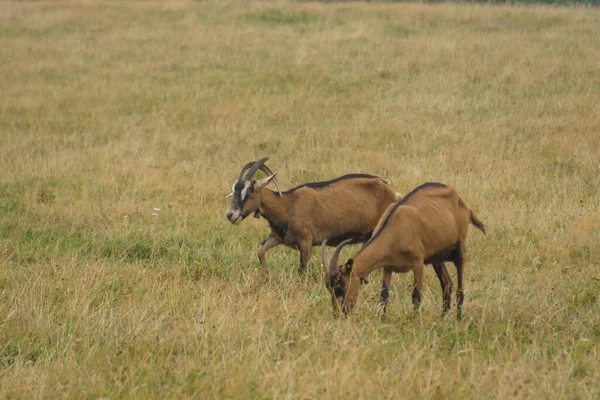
(343, 209)
(428, 226)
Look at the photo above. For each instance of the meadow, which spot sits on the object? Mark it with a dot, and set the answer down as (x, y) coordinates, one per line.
(124, 124)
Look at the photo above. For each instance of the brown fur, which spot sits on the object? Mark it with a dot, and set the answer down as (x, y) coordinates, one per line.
(429, 226)
(348, 208)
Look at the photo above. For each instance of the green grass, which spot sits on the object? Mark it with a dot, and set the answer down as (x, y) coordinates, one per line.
(110, 110)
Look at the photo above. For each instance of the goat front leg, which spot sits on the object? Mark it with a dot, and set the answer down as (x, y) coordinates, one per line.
(305, 248)
(385, 291)
(271, 241)
(416, 295)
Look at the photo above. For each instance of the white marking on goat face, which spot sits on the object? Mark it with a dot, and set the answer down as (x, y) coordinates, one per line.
(244, 193)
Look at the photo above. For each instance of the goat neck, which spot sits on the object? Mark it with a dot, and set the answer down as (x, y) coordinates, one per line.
(372, 257)
(273, 208)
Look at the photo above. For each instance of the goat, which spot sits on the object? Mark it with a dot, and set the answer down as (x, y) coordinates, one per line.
(347, 207)
(427, 226)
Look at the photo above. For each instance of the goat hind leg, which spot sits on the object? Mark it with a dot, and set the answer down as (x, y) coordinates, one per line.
(459, 262)
(446, 284)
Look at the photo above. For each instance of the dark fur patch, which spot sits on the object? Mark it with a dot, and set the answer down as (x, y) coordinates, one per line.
(416, 297)
(237, 195)
(448, 254)
(339, 288)
(280, 228)
(319, 185)
(399, 203)
(337, 285)
(385, 294)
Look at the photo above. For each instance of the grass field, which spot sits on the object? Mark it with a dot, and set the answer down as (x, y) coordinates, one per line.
(110, 111)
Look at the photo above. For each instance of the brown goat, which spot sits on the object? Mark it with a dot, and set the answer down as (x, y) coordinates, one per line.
(348, 207)
(428, 226)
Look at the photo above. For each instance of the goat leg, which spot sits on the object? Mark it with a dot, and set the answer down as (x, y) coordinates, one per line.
(385, 291)
(446, 284)
(305, 248)
(416, 295)
(459, 262)
(271, 241)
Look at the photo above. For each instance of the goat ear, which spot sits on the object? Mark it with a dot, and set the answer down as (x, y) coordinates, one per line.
(349, 265)
(264, 182)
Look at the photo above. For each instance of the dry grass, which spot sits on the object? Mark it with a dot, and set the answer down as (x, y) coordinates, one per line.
(109, 110)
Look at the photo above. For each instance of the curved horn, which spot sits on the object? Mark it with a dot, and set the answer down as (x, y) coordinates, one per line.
(323, 260)
(251, 163)
(334, 257)
(255, 168)
(268, 171)
(262, 167)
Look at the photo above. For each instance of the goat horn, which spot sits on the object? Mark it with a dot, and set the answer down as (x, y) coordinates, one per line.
(262, 167)
(323, 260)
(255, 168)
(334, 257)
(268, 171)
(246, 167)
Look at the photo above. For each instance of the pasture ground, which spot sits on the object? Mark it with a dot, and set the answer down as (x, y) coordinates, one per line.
(109, 110)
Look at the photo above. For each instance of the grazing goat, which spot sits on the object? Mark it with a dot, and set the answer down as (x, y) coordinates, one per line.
(348, 207)
(428, 226)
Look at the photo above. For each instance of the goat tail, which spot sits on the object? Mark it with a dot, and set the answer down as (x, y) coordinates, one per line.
(476, 222)
(398, 196)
